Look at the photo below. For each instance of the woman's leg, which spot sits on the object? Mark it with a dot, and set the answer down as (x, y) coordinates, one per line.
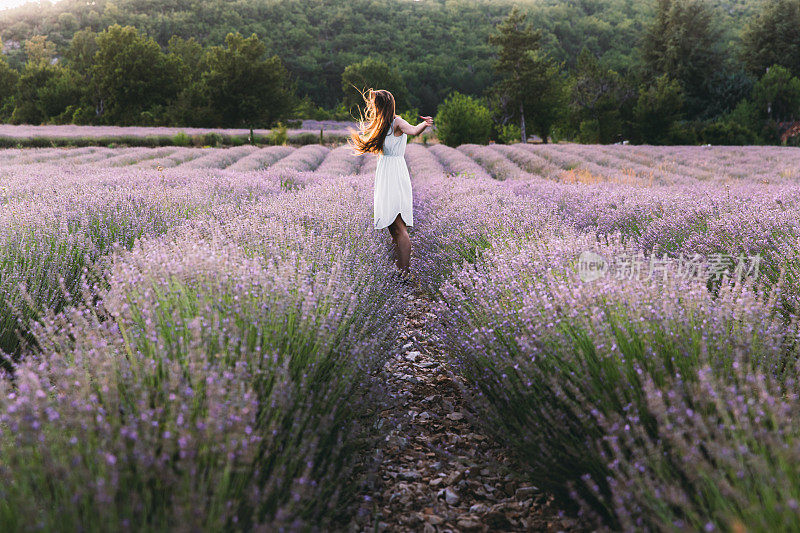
(401, 242)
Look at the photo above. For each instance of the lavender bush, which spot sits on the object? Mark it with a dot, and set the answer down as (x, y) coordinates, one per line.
(455, 162)
(219, 373)
(499, 166)
(341, 161)
(561, 367)
(306, 158)
(221, 158)
(262, 158)
(649, 405)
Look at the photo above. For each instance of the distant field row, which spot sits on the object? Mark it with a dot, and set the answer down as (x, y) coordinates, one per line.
(570, 163)
(70, 135)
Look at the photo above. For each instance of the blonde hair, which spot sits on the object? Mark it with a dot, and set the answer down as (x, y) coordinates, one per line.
(374, 124)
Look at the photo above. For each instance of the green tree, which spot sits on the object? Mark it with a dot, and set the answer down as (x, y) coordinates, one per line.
(746, 115)
(462, 119)
(531, 84)
(777, 95)
(8, 86)
(61, 96)
(547, 95)
(597, 96)
(242, 87)
(39, 51)
(189, 53)
(372, 73)
(658, 108)
(45, 89)
(43, 94)
(133, 78)
(684, 44)
(773, 38)
(189, 107)
(80, 55)
(726, 89)
(27, 105)
(67, 22)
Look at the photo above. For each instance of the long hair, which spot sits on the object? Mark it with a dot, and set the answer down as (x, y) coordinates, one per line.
(373, 125)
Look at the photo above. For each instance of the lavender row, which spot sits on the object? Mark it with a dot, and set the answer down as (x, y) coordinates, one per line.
(58, 221)
(456, 162)
(220, 158)
(341, 161)
(627, 398)
(219, 374)
(611, 392)
(303, 159)
(261, 159)
(682, 216)
(498, 165)
(461, 213)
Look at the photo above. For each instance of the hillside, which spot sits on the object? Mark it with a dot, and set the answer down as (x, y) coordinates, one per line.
(437, 45)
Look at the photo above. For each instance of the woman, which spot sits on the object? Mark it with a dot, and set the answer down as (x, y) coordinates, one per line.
(382, 132)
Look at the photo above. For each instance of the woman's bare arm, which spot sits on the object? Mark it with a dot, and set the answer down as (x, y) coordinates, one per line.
(407, 128)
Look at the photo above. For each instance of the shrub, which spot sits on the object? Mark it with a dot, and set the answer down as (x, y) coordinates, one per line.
(149, 140)
(589, 132)
(81, 115)
(279, 135)
(727, 133)
(680, 133)
(181, 139)
(303, 139)
(462, 119)
(411, 115)
(509, 134)
(212, 139)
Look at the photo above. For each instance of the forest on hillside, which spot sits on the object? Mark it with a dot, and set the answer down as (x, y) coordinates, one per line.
(437, 45)
(715, 50)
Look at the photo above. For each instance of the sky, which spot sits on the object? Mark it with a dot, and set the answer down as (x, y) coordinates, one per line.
(5, 4)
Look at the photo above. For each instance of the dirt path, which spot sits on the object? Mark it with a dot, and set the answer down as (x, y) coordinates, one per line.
(438, 472)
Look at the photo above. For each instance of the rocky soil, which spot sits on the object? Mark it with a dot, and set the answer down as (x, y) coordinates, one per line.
(438, 471)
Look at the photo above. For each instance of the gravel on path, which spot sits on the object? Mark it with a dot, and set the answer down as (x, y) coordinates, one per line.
(437, 471)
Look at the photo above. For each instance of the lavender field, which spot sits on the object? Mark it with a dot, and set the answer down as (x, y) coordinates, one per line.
(192, 337)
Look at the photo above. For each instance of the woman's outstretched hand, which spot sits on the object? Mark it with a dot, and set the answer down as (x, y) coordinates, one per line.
(405, 127)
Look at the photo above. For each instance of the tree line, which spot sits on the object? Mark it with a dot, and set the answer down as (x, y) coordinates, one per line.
(677, 73)
(119, 76)
(688, 90)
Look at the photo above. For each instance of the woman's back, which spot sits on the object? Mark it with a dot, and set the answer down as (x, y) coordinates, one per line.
(392, 182)
(394, 145)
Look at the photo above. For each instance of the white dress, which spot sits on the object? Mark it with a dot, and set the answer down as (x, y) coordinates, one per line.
(392, 182)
